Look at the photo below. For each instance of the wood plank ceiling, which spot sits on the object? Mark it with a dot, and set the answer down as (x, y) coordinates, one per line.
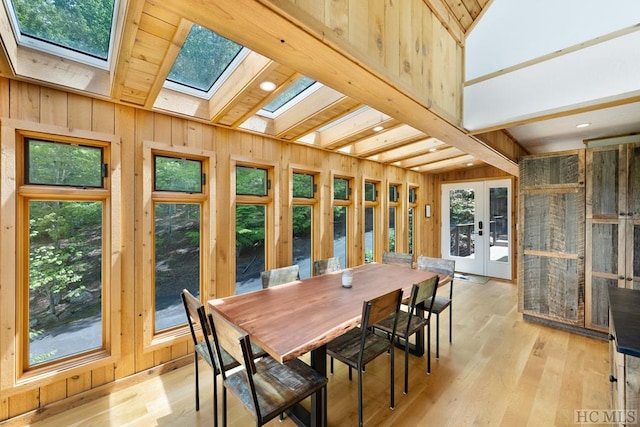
(150, 38)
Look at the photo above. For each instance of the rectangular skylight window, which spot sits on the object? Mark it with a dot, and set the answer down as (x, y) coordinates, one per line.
(289, 94)
(79, 30)
(203, 59)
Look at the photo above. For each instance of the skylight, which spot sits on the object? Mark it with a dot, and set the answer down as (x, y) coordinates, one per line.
(289, 94)
(203, 59)
(79, 30)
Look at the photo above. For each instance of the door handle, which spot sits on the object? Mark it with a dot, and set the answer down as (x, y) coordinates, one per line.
(479, 225)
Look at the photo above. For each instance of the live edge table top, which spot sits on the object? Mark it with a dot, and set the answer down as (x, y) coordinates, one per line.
(292, 319)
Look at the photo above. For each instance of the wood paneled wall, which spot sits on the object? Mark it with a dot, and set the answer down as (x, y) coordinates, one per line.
(68, 112)
(408, 45)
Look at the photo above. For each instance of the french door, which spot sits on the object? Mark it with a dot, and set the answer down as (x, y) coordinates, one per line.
(476, 228)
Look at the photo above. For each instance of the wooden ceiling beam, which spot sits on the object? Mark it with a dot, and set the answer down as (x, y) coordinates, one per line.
(386, 140)
(320, 118)
(310, 106)
(180, 36)
(444, 164)
(436, 156)
(122, 57)
(250, 73)
(249, 113)
(280, 31)
(411, 150)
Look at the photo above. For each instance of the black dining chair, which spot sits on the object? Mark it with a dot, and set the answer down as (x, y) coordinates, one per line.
(361, 345)
(195, 312)
(446, 267)
(278, 276)
(411, 321)
(266, 387)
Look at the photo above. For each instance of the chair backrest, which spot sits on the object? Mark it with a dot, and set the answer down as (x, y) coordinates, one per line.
(328, 265)
(398, 258)
(438, 265)
(379, 308)
(229, 337)
(195, 312)
(278, 276)
(423, 292)
(237, 343)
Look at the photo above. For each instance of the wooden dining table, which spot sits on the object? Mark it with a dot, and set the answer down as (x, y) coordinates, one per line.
(299, 317)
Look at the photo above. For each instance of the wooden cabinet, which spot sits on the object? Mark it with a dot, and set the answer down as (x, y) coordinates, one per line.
(625, 385)
(551, 237)
(612, 227)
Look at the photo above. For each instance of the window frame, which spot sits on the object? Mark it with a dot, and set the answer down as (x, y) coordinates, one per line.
(51, 48)
(153, 340)
(314, 203)
(348, 204)
(398, 219)
(17, 376)
(270, 201)
(412, 205)
(377, 217)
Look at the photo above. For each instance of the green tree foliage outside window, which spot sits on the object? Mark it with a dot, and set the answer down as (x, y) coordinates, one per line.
(289, 94)
(370, 192)
(303, 185)
(462, 207)
(203, 58)
(340, 189)
(83, 26)
(173, 174)
(54, 163)
(251, 181)
(177, 257)
(65, 285)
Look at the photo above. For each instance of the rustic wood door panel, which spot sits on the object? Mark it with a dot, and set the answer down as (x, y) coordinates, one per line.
(551, 237)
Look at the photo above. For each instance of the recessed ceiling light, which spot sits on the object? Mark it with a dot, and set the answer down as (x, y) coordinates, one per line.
(470, 164)
(583, 125)
(378, 128)
(267, 86)
(432, 149)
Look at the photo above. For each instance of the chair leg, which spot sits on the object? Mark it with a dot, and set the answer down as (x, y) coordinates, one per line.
(429, 349)
(331, 364)
(406, 366)
(391, 379)
(359, 395)
(195, 363)
(215, 398)
(450, 320)
(437, 336)
(224, 406)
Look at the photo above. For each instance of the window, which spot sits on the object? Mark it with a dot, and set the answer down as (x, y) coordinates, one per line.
(288, 95)
(66, 251)
(252, 199)
(76, 30)
(177, 174)
(178, 205)
(304, 190)
(251, 181)
(204, 61)
(341, 203)
(393, 208)
(370, 230)
(411, 218)
(48, 163)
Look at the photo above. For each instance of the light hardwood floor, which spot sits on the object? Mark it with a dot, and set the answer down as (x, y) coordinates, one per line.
(499, 371)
